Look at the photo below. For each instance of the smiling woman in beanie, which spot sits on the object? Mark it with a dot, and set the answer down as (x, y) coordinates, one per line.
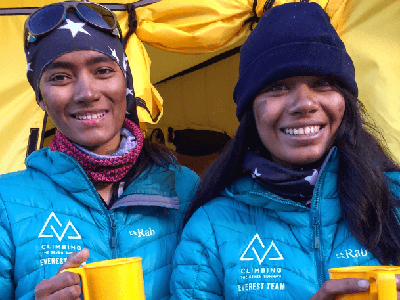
(303, 186)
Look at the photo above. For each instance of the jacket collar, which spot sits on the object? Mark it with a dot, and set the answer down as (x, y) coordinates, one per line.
(325, 197)
(152, 188)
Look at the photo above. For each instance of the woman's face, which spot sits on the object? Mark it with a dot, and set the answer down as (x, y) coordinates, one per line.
(84, 94)
(297, 119)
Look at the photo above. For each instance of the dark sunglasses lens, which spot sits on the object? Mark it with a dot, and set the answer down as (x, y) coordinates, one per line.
(96, 15)
(45, 19)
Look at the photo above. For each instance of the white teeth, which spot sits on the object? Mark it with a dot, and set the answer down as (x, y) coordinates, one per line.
(90, 116)
(303, 131)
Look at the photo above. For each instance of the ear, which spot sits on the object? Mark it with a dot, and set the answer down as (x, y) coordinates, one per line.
(41, 103)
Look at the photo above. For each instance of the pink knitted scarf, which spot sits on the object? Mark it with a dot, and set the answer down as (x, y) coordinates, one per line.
(102, 170)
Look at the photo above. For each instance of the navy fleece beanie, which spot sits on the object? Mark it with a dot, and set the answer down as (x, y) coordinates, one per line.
(292, 39)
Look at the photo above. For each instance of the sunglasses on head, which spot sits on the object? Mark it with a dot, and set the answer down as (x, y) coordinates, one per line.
(50, 17)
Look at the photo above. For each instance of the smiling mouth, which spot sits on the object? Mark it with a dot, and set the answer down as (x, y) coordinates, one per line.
(302, 131)
(89, 116)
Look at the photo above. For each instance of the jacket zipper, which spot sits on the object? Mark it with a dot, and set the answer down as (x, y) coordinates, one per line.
(317, 248)
(315, 218)
(113, 237)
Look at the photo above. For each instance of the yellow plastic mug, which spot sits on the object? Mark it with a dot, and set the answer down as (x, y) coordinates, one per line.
(115, 279)
(382, 281)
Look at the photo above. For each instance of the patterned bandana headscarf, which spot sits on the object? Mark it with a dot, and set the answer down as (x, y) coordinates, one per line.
(72, 35)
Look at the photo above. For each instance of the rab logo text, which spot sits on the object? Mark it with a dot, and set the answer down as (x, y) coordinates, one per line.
(275, 255)
(142, 232)
(49, 231)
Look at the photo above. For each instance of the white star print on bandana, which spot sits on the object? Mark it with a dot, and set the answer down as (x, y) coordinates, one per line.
(255, 174)
(125, 63)
(313, 178)
(114, 53)
(74, 27)
(28, 68)
(129, 92)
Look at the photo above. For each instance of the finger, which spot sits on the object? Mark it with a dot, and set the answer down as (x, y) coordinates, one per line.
(75, 260)
(398, 283)
(68, 293)
(334, 287)
(51, 286)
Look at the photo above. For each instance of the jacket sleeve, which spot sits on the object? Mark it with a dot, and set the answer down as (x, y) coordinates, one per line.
(198, 272)
(7, 251)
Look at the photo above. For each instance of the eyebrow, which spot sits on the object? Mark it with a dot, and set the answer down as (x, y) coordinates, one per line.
(67, 65)
(100, 58)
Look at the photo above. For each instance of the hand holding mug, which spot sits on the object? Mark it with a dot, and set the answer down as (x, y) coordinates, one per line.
(115, 279)
(63, 285)
(334, 287)
(361, 283)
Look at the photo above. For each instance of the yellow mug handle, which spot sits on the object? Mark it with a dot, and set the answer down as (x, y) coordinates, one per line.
(387, 289)
(84, 285)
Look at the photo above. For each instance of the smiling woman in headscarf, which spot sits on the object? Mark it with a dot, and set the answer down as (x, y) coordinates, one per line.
(100, 191)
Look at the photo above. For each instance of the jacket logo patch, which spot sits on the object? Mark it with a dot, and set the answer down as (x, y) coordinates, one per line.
(276, 255)
(350, 253)
(48, 229)
(142, 232)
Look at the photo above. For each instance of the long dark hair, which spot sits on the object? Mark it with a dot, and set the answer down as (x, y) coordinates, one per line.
(362, 185)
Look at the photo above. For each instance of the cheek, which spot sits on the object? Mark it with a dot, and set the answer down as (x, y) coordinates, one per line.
(267, 116)
(118, 90)
(337, 109)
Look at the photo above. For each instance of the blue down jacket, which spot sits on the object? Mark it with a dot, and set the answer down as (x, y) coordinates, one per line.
(252, 244)
(52, 209)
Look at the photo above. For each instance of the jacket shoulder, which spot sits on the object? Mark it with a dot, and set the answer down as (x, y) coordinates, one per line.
(393, 180)
(186, 184)
(20, 182)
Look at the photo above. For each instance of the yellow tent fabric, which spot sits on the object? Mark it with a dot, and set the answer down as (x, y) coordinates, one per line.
(368, 27)
(178, 25)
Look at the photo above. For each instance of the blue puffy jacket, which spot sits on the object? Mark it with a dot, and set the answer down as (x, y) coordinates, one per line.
(252, 244)
(52, 209)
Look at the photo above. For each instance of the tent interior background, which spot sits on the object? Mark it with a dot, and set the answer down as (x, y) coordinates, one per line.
(197, 89)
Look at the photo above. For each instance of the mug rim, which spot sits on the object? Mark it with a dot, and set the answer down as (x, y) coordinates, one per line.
(360, 269)
(112, 262)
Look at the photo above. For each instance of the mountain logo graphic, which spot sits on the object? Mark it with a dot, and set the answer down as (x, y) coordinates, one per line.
(272, 247)
(45, 232)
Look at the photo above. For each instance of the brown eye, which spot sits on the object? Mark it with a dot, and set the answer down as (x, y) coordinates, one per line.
(58, 78)
(324, 82)
(104, 71)
(276, 88)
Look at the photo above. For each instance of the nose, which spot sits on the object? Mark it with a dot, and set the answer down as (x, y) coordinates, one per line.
(85, 89)
(303, 100)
